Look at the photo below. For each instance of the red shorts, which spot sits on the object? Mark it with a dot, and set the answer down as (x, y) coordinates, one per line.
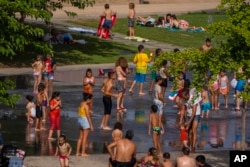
(183, 135)
(63, 157)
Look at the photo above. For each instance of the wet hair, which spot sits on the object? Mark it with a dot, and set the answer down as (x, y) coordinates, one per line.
(122, 61)
(129, 134)
(176, 50)
(152, 151)
(201, 159)
(164, 62)
(118, 125)
(88, 70)
(62, 136)
(205, 87)
(41, 87)
(166, 155)
(208, 40)
(140, 47)
(87, 96)
(185, 150)
(158, 52)
(157, 78)
(131, 5)
(55, 94)
(106, 6)
(29, 98)
(110, 73)
(154, 108)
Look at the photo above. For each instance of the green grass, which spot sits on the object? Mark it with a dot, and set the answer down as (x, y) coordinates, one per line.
(95, 51)
(185, 39)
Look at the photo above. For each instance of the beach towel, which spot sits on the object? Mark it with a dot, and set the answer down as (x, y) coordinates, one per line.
(178, 29)
(137, 39)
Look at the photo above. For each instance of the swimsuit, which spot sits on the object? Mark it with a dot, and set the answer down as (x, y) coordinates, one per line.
(156, 129)
(36, 73)
(115, 163)
(63, 157)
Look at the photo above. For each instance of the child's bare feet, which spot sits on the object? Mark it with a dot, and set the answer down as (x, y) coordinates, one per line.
(84, 155)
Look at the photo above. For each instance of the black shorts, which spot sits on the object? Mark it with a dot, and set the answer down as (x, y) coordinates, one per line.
(115, 163)
(107, 104)
(164, 82)
(39, 112)
(85, 94)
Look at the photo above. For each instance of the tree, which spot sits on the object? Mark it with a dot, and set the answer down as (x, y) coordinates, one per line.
(17, 36)
(231, 54)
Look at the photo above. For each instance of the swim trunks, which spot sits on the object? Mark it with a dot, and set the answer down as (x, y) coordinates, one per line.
(157, 130)
(131, 22)
(206, 106)
(115, 163)
(107, 24)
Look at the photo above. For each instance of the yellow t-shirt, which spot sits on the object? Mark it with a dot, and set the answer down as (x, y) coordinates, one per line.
(141, 60)
(81, 112)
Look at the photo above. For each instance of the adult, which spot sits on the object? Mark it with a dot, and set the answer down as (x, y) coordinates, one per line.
(207, 46)
(141, 60)
(201, 161)
(185, 160)
(193, 115)
(125, 151)
(48, 74)
(145, 19)
(107, 101)
(183, 25)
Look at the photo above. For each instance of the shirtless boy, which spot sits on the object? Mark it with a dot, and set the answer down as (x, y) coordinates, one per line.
(63, 149)
(107, 94)
(131, 19)
(185, 160)
(107, 13)
(166, 160)
(207, 46)
(37, 71)
(156, 126)
(206, 105)
(125, 151)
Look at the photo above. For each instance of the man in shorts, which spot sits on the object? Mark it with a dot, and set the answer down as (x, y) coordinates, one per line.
(125, 151)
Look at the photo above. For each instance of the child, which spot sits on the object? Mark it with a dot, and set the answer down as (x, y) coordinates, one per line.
(39, 108)
(121, 70)
(88, 84)
(206, 105)
(184, 135)
(164, 74)
(86, 125)
(213, 89)
(159, 99)
(107, 13)
(45, 101)
(37, 66)
(156, 126)
(151, 159)
(63, 149)
(55, 105)
(131, 20)
(224, 86)
(166, 160)
(31, 109)
(158, 52)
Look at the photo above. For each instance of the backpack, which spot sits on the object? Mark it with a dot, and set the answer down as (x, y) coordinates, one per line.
(15, 162)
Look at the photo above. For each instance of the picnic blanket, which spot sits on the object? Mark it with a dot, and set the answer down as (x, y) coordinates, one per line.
(137, 39)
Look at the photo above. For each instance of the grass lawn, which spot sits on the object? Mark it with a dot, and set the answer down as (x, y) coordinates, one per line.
(178, 38)
(95, 51)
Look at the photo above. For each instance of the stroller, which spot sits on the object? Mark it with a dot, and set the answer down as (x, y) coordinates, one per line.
(11, 156)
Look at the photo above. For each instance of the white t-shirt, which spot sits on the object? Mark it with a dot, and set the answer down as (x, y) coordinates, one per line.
(195, 98)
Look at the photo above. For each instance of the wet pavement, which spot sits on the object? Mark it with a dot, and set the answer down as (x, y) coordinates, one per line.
(221, 131)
